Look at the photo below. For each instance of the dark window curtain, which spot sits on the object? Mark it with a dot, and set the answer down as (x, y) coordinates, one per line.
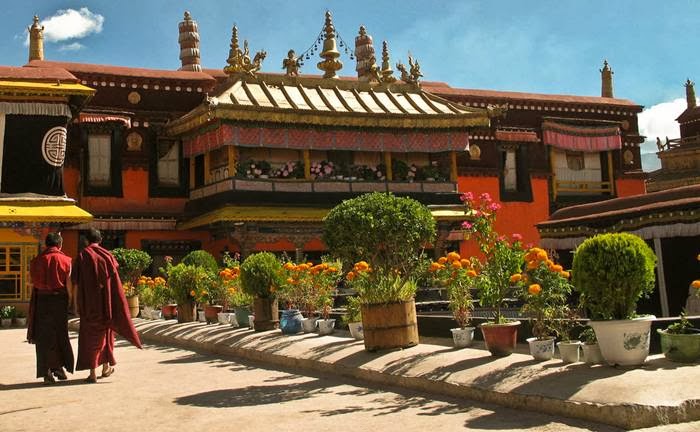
(154, 188)
(115, 165)
(199, 171)
(524, 184)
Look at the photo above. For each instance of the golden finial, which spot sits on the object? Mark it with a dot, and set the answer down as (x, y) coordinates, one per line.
(690, 93)
(330, 65)
(606, 75)
(239, 60)
(188, 17)
(387, 72)
(291, 64)
(413, 75)
(36, 40)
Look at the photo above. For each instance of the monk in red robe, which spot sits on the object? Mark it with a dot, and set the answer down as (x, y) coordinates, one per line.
(102, 307)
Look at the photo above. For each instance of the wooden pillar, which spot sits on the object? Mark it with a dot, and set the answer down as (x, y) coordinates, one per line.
(207, 168)
(231, 161)
(307, 164)
(387, 162)
(663, 294)
(453, 166)
(192, 181)
(611, 172)
(554, 175)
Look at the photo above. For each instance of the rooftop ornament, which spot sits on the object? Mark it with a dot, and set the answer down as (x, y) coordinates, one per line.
(292, 64)
(239, 60)
(386, 72)
(330, 64)
(413, 74)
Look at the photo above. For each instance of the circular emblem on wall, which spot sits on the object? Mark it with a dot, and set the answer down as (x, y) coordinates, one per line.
(474, 152)
(628, 157)
(134, 97)
(53, 147)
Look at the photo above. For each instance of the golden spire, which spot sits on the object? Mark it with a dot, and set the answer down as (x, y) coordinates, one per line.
(36, 40)
(239, 60)
(387, 72)
(189, 44)
(330, 65)
(606, 75)
(364, 53)
(690, 94)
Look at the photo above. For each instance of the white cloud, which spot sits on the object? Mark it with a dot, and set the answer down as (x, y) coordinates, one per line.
(660, 121)
(67, 24)
(75, 46)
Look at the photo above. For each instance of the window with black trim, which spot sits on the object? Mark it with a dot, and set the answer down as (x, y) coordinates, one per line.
(102, 163)
(514, 175)
(167, 173)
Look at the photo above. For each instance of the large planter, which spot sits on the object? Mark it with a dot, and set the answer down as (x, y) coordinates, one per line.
(569, 351)
(462, 337)
(391, 325)
(242, 313)
(541, 349)
(624, 342)
(326, 326)
(356, 330)
(290, 322)
(591, 353)
(169, 311)
(133, 302)
(500, 339)
(186, 312)
(211, 313)
(682, 348)
(266, 314)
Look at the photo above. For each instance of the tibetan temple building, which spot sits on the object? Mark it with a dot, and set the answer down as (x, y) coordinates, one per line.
(236, 159)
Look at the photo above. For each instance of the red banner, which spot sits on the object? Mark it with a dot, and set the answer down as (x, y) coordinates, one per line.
(581, 138)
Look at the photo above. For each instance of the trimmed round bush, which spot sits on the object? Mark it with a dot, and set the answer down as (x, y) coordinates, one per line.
(612, 272)
(201, 258)
(131, 263)
(260, 275)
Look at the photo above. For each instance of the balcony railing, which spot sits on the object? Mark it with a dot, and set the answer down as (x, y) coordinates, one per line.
(572, 187)
(319, 186)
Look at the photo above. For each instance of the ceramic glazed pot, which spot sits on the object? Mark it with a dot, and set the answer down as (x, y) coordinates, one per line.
(242, 313)
(326, 326)
(682, 348)
(211, 313)
(591, 353)
(462, 337)
(308, 325)
(569, 351)
(224, 317)
(356, 330)
(290, 322)
(541, 349)
(169, 311)
(500, 339)
(624, 342)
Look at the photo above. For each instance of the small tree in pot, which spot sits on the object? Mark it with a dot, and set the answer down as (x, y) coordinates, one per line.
(261, 278)
(612, 272)
(457, 276)
(131, 263)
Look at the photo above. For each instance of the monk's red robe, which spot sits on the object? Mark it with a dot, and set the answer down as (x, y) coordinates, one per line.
(102, 306)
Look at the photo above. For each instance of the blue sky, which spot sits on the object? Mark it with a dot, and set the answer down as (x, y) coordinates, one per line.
(541, 46)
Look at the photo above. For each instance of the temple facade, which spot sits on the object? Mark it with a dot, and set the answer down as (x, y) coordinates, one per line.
(235, 159)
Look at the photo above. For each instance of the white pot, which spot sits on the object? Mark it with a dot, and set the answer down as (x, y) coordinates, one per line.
(624, 342)
(326, 326)
(21, 322)
(308, 324)
(156, 314)
(147, 312)
(6, 322)
(569, 351)
(251, 321)
(462, 337)
(224, 317)
(201, 317)
(232, 319)
(356, 330)
(541, 349)
(591, 353)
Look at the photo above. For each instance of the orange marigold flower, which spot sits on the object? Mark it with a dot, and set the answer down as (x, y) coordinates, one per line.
(471, 273)
(531, 265)
(192, 293)
(288, 266)
(453, 256)
(542, 255)
(557, 268)
(465, 262)
(534, 289)
(565, 274)
(456, 265)
(516, 278)
(696, 284)
(442, 260)
(434, 266)
(350, 276)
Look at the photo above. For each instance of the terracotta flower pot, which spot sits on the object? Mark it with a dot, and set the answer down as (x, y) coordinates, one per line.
(211, 313)
(500, 339)
(169, 311)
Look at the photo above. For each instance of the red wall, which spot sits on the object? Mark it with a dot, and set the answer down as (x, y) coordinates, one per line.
(627, 187)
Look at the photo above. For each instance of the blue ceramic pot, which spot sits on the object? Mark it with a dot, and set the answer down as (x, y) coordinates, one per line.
(290, 323)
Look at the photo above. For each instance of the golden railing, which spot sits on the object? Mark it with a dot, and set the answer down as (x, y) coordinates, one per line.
(581, 187)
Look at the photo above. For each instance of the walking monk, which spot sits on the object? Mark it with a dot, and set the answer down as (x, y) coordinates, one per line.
(102, 307)
(48, 310)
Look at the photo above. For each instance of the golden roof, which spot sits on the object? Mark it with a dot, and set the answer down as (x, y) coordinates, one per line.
(22, 88)
(42, 210)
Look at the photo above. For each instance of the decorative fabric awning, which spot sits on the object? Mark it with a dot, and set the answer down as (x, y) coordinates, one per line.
(35, 108)
(43, 211)
(581, 138)
(301, 139)
(101, 118)
(130, 224)
(516, 135)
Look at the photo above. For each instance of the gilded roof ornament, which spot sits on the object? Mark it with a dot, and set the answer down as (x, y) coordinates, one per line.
(690, 93)
(291, 64)
(239, 60)
(413, 75)
(387, 72)
(330, 64)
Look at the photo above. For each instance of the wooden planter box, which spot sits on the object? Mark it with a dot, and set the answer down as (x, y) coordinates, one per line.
(266, 314)
(392, 325)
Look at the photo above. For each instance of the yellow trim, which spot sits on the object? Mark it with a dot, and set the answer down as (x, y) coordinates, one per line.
(42, 211)
(611, 173)
(307, 164)
(39, 88)
(231, 160)
(389, 169)
(453, 166)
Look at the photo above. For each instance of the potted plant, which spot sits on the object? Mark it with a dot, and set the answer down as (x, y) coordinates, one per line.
(566, 328)
(457, 276)
(20, 318)
(261, 278)
(237, 299)
(591, 350)
(131, 263)
(500, 260)
(209, 296)
(185, 282)
(353, 317)
(545, 289)
(680, 342)
(612, 272)
(390, 233)
(147, 295)
(6, 315)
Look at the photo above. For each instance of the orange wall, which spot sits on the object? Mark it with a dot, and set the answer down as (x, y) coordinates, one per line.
(627, 187)
(513, 217)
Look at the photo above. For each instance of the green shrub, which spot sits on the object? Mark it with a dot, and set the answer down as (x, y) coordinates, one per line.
(131, 263)
(353, 310)
(612, 272)
(261, 275)
(185, 281)
(201, 258)
(7, 312)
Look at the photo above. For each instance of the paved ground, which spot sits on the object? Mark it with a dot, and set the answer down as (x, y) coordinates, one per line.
(163, 388)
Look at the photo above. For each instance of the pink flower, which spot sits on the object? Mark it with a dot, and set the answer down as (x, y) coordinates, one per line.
(494, 206)
(485, 197)
(467, 225)
(467, 196)
(517, 237)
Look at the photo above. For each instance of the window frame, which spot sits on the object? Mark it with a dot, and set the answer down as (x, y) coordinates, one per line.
(523, 191)
(155, 188)
(115, 163)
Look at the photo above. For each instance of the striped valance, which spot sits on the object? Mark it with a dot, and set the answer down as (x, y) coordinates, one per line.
(35, 108)
(581, 138)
